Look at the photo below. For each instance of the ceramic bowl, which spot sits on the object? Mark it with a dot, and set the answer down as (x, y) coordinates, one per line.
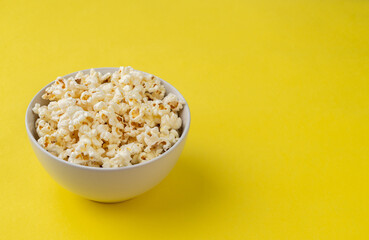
(108, 184)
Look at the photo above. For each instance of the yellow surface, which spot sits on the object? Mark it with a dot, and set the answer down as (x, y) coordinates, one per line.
(279, 95)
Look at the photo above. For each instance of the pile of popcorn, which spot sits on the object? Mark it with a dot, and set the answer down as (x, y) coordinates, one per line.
(108, 121)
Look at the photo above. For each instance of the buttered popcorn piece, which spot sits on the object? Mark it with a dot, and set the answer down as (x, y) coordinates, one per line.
(112, 120)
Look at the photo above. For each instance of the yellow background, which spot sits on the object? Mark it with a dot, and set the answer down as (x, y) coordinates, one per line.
(279, 96)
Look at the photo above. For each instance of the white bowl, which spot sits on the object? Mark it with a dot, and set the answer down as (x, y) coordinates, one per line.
(107, 184)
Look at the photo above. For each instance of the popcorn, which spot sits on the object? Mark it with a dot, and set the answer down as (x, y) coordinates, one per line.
(171, 120)
(112, 120)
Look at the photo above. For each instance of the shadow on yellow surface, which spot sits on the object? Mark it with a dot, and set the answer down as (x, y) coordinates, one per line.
(187, 191)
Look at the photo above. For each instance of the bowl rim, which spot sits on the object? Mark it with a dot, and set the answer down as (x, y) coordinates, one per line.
(32, 138)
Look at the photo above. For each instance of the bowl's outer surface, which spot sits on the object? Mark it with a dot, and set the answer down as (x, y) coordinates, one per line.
(107, 185)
